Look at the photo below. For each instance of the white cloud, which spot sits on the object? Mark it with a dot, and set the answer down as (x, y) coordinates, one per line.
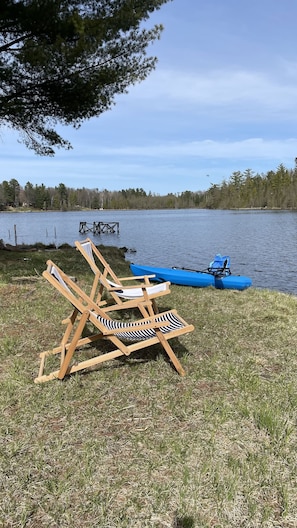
(275, 91)
(211, 149)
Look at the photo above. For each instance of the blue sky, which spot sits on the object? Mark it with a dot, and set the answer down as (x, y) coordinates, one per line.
(222, 98)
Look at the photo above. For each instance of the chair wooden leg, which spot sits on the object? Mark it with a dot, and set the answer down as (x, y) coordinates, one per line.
(170, 353)
(155, 307)
(41, 366)
(74, 342)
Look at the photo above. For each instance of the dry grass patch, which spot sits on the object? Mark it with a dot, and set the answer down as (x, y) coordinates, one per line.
(131, 444)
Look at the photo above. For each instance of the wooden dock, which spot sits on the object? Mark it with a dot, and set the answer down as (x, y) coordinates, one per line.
(97, 228)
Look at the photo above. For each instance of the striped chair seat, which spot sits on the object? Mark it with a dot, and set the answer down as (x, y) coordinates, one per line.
(140, 335)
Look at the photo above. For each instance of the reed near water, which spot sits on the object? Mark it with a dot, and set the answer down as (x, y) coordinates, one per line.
(132, 444)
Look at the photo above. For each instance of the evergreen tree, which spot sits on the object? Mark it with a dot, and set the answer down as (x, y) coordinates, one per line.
(64, 61)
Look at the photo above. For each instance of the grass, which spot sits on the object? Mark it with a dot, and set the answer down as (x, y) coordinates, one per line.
(131, 444)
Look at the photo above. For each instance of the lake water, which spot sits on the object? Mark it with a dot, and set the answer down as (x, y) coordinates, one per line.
(261, 244)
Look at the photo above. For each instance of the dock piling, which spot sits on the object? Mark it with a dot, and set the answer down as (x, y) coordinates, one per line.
(97, 228)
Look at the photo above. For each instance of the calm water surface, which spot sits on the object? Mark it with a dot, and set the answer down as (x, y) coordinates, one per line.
(261, 244)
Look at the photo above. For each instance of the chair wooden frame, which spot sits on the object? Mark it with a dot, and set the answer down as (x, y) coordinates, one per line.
(121, 296)
(156, 329)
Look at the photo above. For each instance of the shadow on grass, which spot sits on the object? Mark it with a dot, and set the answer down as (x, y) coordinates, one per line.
(135, 360)
(144, 355)
(183, 522)
(149, 354)
(132, 361)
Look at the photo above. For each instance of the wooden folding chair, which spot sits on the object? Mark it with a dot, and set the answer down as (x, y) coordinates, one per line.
(106, 280)
(125, 337)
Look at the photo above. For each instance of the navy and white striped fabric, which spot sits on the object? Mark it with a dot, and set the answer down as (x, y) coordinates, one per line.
(140, 335)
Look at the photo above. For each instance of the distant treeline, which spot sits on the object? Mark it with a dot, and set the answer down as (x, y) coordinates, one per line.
(275, 189)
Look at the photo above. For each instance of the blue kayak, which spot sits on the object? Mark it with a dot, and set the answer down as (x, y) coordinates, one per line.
(198, 279)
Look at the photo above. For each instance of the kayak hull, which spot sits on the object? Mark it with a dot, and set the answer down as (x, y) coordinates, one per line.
(195, 279)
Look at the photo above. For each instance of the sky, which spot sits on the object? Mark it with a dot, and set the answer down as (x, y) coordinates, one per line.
(223, 98)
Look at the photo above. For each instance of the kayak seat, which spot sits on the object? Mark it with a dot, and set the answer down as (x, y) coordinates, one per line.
(220, 265)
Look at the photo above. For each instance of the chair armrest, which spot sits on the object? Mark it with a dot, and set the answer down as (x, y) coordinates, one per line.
(138, 277)
(130, 287)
